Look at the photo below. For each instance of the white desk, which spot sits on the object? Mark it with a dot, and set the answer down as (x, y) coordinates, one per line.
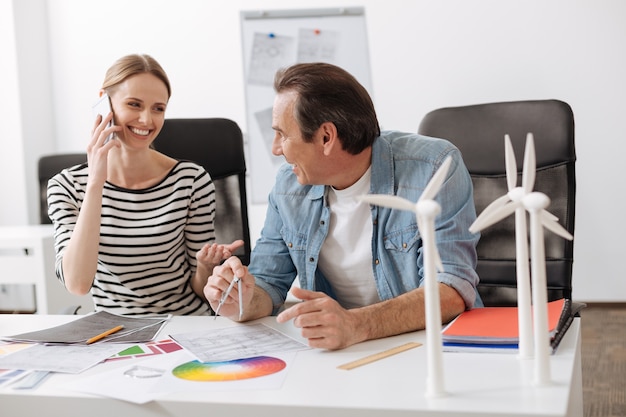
(27, 257)
(478, 384)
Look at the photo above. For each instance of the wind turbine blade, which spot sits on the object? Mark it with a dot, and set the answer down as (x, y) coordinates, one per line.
(433, 186)
(385, 200)
(549, 216)
(554, 226)
(510, 164)
(530, 165)
(484, 222)
(495, 205)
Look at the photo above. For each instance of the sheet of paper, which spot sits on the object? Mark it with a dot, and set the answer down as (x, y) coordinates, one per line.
(141, 381)
(317, 45)
(136, 329)
(269, 52)
(9, 376)
(119, 382)
(10, 347)
(237, 342)
(71, 359)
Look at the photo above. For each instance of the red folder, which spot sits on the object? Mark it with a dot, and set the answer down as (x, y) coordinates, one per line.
(495, 325)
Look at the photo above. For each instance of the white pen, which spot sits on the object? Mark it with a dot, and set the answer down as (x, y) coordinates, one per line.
(239, 286)
(236, 280)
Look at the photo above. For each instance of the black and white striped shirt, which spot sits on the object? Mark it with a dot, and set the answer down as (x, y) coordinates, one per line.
(148, 239)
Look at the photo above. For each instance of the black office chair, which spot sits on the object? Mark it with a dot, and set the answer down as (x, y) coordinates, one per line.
(478, 131)
(48, 167)
(217, 145)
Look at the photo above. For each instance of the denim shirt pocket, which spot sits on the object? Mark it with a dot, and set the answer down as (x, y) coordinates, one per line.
(402, 240)
(401, 255)
(296, 243)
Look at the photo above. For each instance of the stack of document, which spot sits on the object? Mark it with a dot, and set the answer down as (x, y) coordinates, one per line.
(81, 343)
(496, 329)
(86, 328)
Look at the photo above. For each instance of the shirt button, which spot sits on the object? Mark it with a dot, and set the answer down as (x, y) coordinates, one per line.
(376, 261)
(311, 259)
(404, 245)
(290, 244)
(322, 222)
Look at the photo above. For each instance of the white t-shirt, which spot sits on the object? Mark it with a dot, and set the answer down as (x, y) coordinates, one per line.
(346, 255)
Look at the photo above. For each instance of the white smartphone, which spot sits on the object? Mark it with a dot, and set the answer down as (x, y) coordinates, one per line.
(103, 108)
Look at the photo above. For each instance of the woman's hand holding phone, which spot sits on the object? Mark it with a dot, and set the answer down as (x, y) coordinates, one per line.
(103, 108)
(98, 149)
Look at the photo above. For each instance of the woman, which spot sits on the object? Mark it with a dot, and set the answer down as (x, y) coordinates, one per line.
(132, 225)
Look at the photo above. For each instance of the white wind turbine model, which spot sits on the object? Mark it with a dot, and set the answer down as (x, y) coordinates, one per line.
(535, 203)
(508, 203)
(426, 210)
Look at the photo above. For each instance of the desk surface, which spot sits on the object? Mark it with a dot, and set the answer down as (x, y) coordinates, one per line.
(477, 383)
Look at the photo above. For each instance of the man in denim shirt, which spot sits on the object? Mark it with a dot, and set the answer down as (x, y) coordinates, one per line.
(360, 267)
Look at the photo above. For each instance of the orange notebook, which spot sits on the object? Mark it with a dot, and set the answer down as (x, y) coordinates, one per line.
(496, 325)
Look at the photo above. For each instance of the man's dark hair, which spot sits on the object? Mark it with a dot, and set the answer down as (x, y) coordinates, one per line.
(327, 93)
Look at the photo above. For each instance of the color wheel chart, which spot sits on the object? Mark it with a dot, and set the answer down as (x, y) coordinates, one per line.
(231, 370)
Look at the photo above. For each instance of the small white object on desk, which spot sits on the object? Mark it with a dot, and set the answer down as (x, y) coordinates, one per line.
(536, 203)
(426, 210)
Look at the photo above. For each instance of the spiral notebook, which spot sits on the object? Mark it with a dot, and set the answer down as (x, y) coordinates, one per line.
(492, 329)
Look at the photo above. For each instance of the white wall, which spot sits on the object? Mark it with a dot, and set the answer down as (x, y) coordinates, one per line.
(424, 55)
(13, 187)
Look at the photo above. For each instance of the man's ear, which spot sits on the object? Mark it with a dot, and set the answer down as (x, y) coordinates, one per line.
(330, 140)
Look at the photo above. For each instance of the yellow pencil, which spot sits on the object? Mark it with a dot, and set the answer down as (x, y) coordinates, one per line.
(105, 334)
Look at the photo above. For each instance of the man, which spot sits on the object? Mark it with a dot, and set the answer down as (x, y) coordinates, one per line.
(360, 267)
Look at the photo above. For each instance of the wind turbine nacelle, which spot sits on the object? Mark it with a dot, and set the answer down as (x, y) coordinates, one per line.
(428, 208)
(536, 201)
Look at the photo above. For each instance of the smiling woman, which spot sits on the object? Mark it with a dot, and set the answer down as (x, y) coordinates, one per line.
(139, 104)
(134, 226)
(140, 90)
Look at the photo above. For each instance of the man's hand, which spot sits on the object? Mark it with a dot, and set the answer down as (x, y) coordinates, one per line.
(323, 321)
(218, 283)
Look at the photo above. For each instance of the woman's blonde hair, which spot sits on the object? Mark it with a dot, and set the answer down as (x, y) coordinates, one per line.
(134, 64)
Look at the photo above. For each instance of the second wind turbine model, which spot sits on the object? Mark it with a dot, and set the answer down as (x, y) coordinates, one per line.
(426, 210)
(535, 203)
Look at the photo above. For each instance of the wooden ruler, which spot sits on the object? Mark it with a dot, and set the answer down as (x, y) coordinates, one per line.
(378, 356)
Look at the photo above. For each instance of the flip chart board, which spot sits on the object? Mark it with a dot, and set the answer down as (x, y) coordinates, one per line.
(272, 39)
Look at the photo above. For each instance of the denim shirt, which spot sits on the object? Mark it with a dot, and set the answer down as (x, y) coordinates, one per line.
(297, 223)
